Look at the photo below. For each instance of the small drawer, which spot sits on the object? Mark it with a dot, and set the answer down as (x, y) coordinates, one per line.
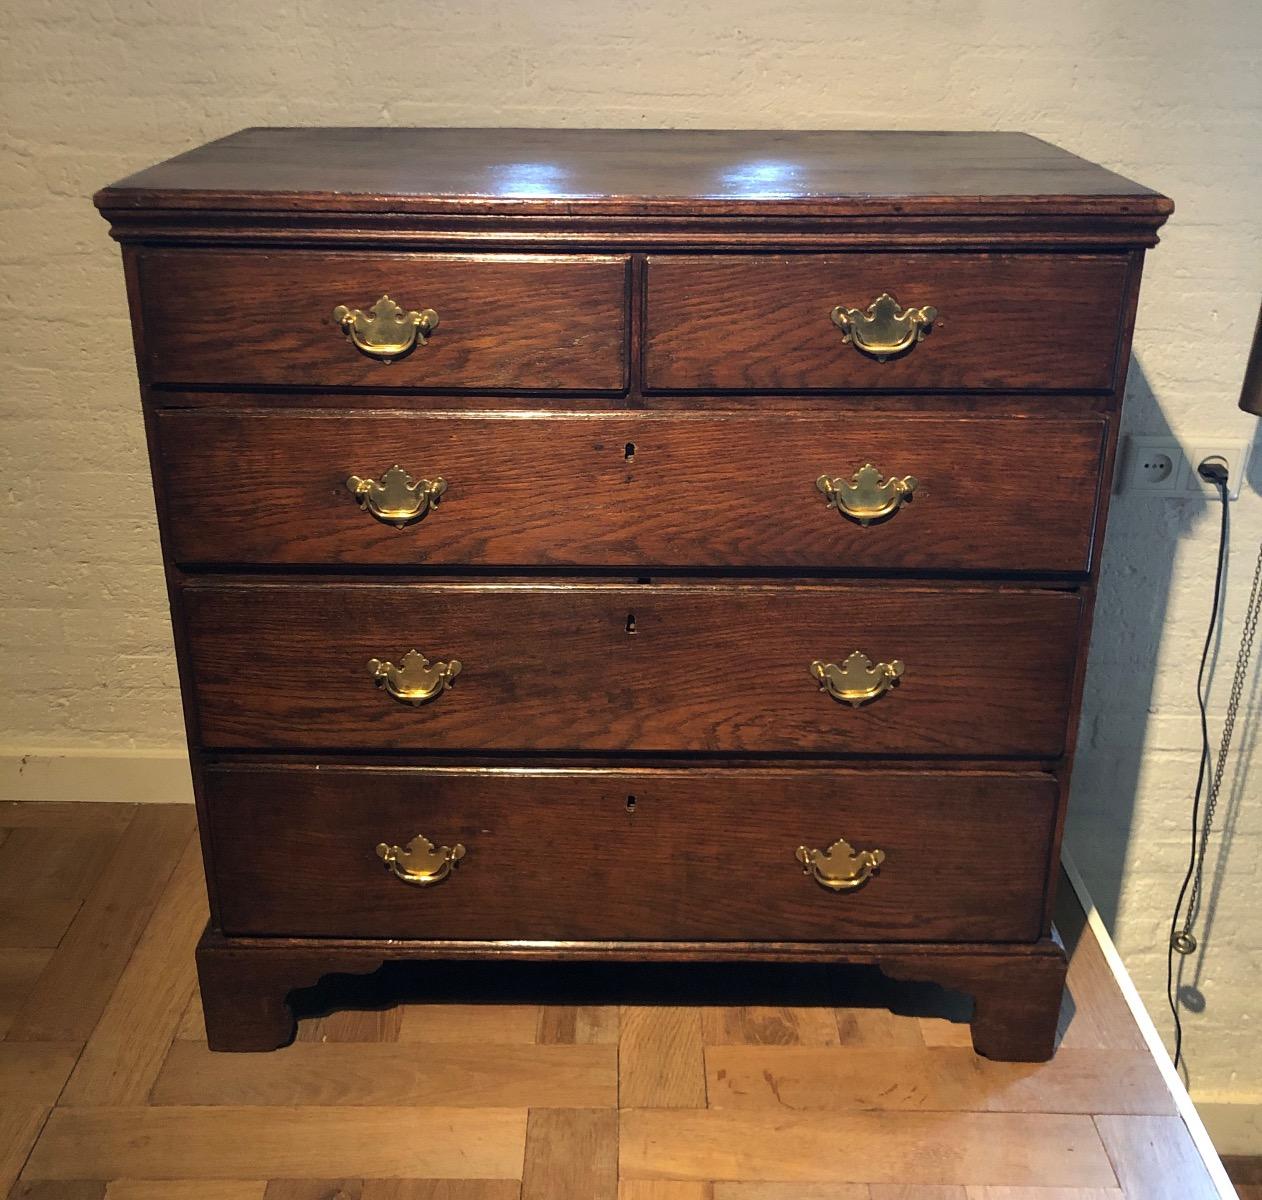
(771, 323)
(631, 490)
(649, 854)
(513, 322)
(661, 667)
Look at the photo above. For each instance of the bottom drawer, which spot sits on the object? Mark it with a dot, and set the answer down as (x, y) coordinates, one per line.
(602, 854)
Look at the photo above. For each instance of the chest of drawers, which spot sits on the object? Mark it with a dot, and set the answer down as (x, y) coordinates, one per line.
(631, 545)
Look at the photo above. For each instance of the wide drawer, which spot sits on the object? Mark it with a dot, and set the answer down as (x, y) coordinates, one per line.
(661, 667)
(764, 323)
(556, 854)
(509, 321)
(631, 489)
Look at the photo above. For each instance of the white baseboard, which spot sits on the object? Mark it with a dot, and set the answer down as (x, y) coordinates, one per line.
(116, 776)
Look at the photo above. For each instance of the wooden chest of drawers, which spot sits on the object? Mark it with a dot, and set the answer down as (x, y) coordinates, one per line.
(632, 545)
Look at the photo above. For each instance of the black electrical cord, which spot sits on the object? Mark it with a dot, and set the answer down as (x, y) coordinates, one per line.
(1181, 940)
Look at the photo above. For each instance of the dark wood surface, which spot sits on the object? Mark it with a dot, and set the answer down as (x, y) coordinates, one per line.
(707, 668)
(558, 855)
(246, 982)
(762, 322)
(356, 169)
(635, 370)
(1016, 998)
(630, 490)
(249, 317)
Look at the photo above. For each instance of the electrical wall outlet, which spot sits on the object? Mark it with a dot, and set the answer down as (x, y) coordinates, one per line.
(1236, 455)
(1152, 466)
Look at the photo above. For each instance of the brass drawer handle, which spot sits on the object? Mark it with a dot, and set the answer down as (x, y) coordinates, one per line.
(396, 499)
(857, 681)
(385, 332)
(419, 862)
(881, 330)
(866, 497)
(415, 680)
(840, 868)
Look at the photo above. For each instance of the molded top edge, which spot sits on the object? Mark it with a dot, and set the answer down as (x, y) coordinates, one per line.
(635, 172)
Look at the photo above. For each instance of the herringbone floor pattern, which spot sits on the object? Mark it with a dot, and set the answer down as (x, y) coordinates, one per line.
(581, 1084)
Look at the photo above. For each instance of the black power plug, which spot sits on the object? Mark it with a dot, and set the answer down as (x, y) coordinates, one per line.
(1213, 470)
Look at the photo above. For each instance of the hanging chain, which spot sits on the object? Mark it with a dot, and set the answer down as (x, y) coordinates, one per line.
(1184, 942)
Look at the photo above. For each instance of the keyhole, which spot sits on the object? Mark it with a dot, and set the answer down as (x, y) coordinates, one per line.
(630, 804)
(628, 452)
(630, 622)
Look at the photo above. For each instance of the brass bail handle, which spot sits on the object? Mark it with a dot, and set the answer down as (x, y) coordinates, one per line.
(396, 498)
(385, 332)
(415, 680)
(420, 862)
(857, 681)
(840, 868)
(883, 330)
(867, 496)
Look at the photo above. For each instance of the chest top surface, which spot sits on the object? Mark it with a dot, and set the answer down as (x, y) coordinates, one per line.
(632, 172)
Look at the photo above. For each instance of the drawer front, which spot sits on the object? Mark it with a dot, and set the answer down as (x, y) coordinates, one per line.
(673, 667)
(509, 322)
(557, 855)
(764, 323)
(632, 490)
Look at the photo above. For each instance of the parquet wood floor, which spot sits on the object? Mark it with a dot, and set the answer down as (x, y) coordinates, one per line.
(427, 1082)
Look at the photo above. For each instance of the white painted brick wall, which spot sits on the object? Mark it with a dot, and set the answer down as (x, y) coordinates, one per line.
(1161, 90)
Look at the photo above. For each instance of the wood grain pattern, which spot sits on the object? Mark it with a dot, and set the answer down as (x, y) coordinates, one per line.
(1043, 1193)
(44, 879)
(239, 317)
(805, 1191)
(1155, 1157)
(315, 1189)
(354, 1025)
(555, 854)
(125, 1052)
(629, 170)
(501, 1024)
(571, 1154)
(1095, 1015)
(666, 1189)
(634, 187)
(466, 1075)
(440, 1189)
(661, 1060)
(878, 1027)
(186, 1189)
(106, 818)
(19, 969)
(58, 1189)
(237, 1142)
(578, 1024)
(904, 1191)
(929, 1148)
(1016, 998)
(20, 1125)
(932, 1079)
(634, 490)
(634, 344)
(33, 1073)
(305, 1096)
(1016, 987)
(76, 985)
(764, 1025)
(708, 668)
(763, 323)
